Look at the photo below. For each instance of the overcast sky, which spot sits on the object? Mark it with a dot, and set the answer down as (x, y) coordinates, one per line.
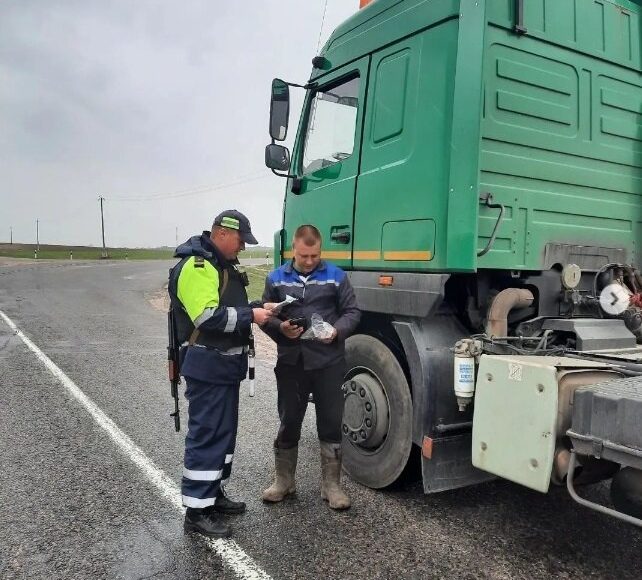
(135, 99)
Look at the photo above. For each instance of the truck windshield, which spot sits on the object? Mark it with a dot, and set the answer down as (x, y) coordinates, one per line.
(331, 125)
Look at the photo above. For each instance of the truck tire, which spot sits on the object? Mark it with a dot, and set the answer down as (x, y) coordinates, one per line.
(626, 491)
(377, 417)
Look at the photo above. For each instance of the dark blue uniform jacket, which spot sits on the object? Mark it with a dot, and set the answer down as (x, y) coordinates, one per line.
(327, 292)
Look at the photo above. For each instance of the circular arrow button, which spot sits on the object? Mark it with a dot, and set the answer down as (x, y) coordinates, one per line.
(614, 299)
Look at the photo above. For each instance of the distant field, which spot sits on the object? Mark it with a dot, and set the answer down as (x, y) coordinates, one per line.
(52, 252)
(257, 253)
(257, 275)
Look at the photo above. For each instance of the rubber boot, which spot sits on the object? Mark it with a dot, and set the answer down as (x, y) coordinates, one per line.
(285, 467)
(331, 476)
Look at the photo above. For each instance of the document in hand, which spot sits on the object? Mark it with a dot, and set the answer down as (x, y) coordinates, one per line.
(280, 305)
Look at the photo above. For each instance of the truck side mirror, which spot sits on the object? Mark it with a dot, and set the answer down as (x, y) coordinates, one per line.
(279, 110)
(277, 157)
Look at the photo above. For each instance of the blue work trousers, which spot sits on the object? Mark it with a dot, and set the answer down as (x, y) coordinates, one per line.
(210, 440)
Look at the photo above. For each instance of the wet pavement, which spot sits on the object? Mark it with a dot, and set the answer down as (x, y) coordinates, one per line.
(73, 505)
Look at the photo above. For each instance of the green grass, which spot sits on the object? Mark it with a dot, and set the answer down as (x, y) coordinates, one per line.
(256, 275)
(257, 253)
(53, 252)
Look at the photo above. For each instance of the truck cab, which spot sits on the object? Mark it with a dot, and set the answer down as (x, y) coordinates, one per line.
(476, 168)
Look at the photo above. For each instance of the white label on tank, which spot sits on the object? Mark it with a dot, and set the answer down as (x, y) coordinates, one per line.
(464, 376)
(466, 371)
(514, 372)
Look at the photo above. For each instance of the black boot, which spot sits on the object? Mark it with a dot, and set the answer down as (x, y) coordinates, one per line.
(225, 505)
(203, 521)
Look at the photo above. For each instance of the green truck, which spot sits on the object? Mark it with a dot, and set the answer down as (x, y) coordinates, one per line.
(476, 167)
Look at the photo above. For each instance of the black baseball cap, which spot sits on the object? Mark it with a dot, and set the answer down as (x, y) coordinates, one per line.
(235, 220)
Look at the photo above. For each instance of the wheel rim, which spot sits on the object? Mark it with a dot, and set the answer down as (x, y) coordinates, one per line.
(366, 415)
(379, 455)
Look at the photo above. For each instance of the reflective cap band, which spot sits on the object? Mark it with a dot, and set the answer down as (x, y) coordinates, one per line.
(229, 222)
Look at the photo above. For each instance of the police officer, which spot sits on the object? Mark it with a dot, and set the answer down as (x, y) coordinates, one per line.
(213, 322)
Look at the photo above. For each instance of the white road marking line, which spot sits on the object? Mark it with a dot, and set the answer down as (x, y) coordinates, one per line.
(229, 551)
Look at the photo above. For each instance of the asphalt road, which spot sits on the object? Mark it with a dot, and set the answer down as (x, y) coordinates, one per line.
(74, 505)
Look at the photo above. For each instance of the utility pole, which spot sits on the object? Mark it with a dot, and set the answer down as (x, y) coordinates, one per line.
(11, 235)
(102, 223)
(177, 236)
(37, 235)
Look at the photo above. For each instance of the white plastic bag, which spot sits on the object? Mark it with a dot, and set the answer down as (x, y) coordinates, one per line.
(319, 329)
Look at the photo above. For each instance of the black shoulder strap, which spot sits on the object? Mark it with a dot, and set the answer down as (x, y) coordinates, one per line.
(226, 279)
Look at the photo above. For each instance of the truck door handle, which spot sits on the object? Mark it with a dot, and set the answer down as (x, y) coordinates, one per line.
(340, 237)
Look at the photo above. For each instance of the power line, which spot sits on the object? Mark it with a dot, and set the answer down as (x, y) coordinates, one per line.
(325, 6)
(195, 191)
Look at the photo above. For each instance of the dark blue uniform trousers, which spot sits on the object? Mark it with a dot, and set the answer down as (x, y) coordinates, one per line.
(210, 440)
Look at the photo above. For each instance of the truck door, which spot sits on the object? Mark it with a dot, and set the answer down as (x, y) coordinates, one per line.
(402, 198)
(326, 159)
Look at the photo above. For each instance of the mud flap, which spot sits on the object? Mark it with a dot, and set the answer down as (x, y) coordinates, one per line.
(449, 465)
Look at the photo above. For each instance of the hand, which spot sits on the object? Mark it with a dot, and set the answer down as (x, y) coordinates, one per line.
(290, 330)
(270, 305)
(261, 315)
(331, 338)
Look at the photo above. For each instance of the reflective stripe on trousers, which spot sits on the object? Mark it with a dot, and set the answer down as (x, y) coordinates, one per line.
(210, 440)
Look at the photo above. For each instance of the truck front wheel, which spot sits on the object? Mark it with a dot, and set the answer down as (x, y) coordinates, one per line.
(377, 417)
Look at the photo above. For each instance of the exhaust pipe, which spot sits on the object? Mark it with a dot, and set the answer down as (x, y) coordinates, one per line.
(500, 307)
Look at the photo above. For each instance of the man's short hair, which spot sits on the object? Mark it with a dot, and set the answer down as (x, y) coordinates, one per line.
(308, 233)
